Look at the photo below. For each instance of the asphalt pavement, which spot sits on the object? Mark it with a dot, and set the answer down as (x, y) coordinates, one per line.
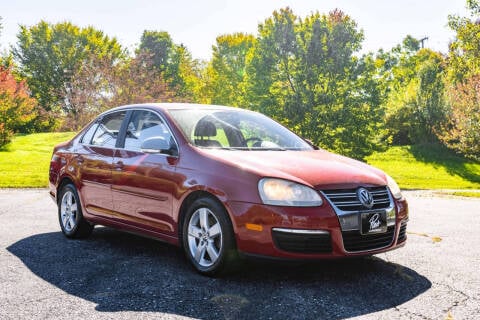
(115, 275)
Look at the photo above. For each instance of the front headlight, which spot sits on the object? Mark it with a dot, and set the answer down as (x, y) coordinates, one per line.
(394, 188)
(278, 192)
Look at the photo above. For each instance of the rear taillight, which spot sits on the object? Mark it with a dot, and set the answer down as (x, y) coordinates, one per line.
(55, 163)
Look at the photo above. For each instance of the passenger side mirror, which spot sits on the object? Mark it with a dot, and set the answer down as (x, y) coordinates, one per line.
(156, 145)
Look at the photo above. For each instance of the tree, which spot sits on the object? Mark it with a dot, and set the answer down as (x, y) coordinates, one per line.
(415, 108)
(464, 53)
(305, 73)
(462, 133)
(173, 62)
(137, 82)
(17, 109)
(98, 86)
(160, 47)
(49, 55)
(226, 69)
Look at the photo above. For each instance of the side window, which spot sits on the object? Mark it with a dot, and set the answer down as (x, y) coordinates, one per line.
(107, 131)
(144, 125)
(87, 137)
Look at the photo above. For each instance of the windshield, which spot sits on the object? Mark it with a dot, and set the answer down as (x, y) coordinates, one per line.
(235, 129)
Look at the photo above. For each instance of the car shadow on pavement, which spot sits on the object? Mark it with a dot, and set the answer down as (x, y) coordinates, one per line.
(124, 272)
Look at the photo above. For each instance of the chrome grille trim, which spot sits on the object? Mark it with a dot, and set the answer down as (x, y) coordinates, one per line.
(347, 200)
(348, 208)
(301, 231)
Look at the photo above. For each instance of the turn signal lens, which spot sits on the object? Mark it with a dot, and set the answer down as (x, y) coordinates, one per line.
(254, 227)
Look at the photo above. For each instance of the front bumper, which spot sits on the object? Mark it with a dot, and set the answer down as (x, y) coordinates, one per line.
(309, 233)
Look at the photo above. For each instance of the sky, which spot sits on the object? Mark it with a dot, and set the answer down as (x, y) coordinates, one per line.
(196, 24)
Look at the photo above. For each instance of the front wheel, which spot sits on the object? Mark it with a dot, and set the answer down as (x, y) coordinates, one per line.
(70, 215)
(208, 238)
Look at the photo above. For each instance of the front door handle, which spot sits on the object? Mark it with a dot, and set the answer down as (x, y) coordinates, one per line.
(118, 165)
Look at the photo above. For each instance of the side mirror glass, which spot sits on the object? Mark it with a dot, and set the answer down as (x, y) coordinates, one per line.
(156, 145)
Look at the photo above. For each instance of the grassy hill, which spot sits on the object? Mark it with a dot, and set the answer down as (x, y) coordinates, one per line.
(24, 163)
(427, 167)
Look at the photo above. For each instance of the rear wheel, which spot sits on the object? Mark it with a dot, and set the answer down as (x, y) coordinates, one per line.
(70, 215)
(208, 238)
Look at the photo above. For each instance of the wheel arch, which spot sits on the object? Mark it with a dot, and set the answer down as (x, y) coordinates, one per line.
(189, 199)
(64, 181)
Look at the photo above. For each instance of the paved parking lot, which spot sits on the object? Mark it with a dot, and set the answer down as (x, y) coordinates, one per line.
(122, 276)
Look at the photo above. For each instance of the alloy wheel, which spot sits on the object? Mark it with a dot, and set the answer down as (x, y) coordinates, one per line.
(68, 211)
(205, 238)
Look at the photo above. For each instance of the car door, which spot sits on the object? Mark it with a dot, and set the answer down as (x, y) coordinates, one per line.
(143, 183)
(94, 157)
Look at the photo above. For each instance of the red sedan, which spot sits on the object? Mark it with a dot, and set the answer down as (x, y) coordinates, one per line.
(220, 181)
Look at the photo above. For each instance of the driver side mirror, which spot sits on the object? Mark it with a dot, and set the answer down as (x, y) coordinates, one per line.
(157, 145)
(311, 143)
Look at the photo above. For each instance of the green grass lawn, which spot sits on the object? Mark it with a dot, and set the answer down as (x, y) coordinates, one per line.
(25, 161)
(428, 167)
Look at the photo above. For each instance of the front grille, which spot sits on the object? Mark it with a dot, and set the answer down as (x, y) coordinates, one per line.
(302, 243)
(347, 200)
(355, 241)
(402, 235)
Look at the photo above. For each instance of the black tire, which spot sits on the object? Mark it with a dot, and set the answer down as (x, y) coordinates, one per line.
(222, 243)
(70, 216)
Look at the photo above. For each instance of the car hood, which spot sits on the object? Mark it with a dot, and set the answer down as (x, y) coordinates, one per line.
(317, 168)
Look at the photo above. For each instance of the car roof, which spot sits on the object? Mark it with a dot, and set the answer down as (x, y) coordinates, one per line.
(170, 106)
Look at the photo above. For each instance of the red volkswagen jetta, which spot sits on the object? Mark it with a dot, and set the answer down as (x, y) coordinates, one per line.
(219, 181)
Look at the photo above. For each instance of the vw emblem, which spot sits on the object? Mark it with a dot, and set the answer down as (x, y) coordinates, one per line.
(365, 197)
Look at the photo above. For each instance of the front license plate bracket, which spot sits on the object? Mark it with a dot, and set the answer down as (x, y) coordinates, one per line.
(373, 222)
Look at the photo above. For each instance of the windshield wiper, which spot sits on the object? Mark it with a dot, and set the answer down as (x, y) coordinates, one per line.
(249, 149)
(268, 149)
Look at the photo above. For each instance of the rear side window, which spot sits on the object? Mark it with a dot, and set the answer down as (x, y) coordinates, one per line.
(107, 131)
(87, 137)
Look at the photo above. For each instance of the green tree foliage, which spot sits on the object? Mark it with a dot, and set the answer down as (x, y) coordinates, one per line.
(306, 74)
(17, 109)
(173, 62)
(50, 54)
(98, 86)
(415, 108)
(431, 109)
(464, 53)
(136, 82)
(463, 131)
(226, 70)
(160, 46)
